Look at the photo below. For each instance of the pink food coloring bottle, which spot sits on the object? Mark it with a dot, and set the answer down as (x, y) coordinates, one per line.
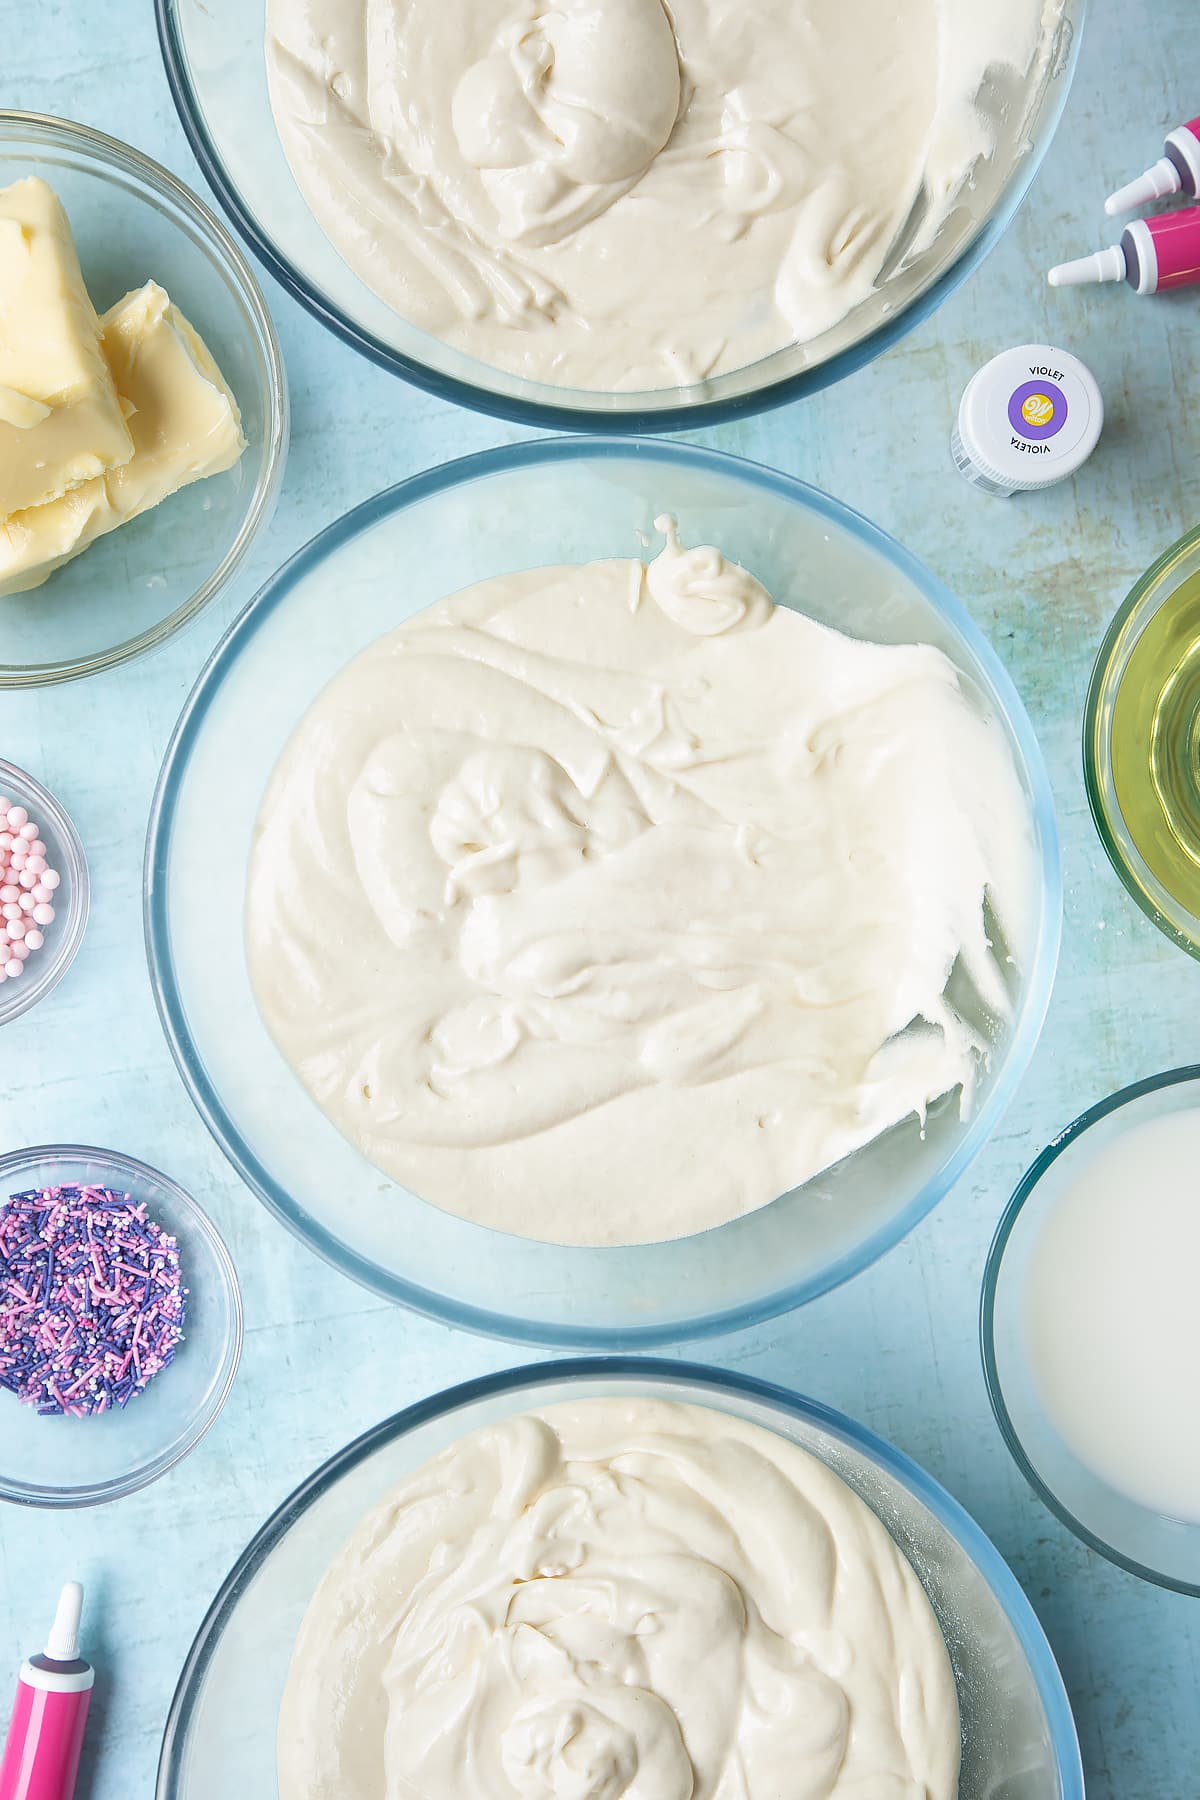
(54, 1691)
(1153, 254)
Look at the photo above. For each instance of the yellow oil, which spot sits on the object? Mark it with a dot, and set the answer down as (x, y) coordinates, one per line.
(1156, 744)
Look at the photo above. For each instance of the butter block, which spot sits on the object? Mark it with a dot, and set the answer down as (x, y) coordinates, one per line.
(184, 422)
(61, 422)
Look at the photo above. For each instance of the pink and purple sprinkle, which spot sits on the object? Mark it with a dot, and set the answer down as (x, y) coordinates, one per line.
(92, 1305)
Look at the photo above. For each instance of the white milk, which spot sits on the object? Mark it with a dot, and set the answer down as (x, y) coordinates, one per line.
(1113, 1319)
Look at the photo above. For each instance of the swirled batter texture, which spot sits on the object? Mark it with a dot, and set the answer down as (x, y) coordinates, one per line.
(603, 904)
(626, 194)
(620, 1598)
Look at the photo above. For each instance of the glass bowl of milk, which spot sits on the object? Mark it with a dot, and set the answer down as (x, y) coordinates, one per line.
(1091, 1334)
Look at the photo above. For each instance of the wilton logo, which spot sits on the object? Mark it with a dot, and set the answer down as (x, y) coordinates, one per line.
(1037, 409)
(1037, 412)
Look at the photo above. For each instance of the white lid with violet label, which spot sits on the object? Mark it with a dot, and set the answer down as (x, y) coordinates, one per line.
(1029, 418)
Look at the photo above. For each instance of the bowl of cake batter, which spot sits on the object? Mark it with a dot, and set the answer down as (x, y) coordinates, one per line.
(632, 213)
(620, 1578)
(646, 892)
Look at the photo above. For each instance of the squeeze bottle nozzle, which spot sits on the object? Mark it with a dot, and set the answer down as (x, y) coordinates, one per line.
(1159, 181)
(63, 1643)
(1177, 171)
(1104, 265)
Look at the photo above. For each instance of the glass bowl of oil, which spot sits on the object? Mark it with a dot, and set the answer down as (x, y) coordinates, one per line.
(1141, 743)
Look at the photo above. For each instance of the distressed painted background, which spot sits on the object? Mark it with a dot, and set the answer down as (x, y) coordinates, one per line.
(897, 1348)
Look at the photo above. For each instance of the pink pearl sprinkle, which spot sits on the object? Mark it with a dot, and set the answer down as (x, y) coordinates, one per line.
(6, 840)
(26, 903)
(29, 830)
(9, 894)
(43, 914)
(16, 816)
(10, 910)
(16, 927)
(19, 951)
(35, 865)
(37, 848)
(51, 879)
(34, 940)
(40, 892)
(13, 968)
(27, 878)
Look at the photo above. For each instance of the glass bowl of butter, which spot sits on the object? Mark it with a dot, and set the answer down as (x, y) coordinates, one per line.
(1015, 1727)
(143, 408)
(632, 216)
(633, 1182)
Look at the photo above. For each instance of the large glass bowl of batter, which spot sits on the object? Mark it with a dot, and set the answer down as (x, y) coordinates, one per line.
(526, 505)
(1018, 1735)
(213, 51)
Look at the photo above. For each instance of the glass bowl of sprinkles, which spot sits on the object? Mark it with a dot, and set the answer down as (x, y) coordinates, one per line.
(120, 1325)
(43, 892)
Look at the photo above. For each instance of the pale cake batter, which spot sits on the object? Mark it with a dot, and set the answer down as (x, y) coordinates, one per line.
(620, 1600)
(635, 194)
(604, 904)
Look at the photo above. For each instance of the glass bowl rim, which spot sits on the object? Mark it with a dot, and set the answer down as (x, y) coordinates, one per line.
(118, 1487)
(533, 453)
(554, 416)
(102, 151)
(659, 1372)
(1135, 1090)
(1109, 822)
(67, 948)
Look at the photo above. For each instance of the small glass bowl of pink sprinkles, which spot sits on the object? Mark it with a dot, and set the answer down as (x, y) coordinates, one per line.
(120, 1325)
(43, 892)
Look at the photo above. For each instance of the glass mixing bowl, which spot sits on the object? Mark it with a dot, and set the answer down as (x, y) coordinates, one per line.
(213, 50)
(45, 968)
(1156, 852)
(539, 503)
(1018, 1735)
(64, 1462)
(135, 588)
(1162, 1550)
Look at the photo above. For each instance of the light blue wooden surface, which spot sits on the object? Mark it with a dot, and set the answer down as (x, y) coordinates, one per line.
(897, 1348)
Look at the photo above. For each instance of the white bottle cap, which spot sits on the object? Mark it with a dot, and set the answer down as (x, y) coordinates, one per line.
(63, 1643)
(1163, 179)
(1178, 172)
(1029, 418)
(1102, 265)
